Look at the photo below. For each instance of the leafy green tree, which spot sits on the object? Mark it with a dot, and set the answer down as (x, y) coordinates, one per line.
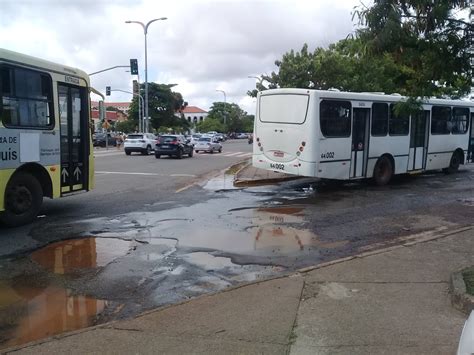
(232, 113)
(163, 104)
(210, 124)
(426, 41)
(126, 126)
(417, 48)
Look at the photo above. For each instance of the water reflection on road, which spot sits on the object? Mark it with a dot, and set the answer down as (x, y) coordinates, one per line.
(159, 258)
(34, 307)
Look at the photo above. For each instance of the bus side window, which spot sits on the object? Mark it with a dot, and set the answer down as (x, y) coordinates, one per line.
(460, 120)
(440, 120)
(335, 118)
(398, 125)
(379, 119)
(27, 99)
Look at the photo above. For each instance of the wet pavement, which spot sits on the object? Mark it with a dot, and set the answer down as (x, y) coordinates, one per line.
(118, 267)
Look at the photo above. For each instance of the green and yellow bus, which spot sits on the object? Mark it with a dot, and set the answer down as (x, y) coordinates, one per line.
(45, 134)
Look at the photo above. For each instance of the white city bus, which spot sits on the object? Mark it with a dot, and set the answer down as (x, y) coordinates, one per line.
(342, 135)
(45, 134)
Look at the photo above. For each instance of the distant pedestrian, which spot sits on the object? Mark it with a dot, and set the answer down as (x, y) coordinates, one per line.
(119, 141)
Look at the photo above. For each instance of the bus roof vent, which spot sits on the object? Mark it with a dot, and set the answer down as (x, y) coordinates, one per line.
(395, 94)
(333, 89)
(374, 92)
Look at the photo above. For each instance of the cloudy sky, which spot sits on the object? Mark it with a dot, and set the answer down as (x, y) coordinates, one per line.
(202, 46)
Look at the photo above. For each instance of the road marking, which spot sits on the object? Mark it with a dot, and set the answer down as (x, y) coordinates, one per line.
(185, 175)
(184, 188)
(127, 173)
(244, 155)
(231, 154)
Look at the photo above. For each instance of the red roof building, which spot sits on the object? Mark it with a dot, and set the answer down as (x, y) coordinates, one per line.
(194, 114)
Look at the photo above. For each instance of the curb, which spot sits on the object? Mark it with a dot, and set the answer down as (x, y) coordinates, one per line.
(256, 182)
(460, 299)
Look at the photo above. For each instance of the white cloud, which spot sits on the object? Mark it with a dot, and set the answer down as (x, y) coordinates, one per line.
(202, 46)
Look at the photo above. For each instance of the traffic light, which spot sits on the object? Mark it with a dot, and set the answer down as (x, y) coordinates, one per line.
(134, 66)
(107, 90)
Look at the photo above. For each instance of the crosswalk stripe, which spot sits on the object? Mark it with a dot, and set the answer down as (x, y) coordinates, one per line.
(232, 154)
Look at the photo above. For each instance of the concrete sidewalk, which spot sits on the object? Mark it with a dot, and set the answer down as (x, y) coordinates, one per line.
(392, 301)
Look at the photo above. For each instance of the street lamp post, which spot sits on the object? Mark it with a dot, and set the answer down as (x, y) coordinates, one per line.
(225, 101)
(145, 31)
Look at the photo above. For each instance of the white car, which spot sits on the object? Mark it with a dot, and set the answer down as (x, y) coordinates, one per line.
(208, 144)
(139, 142)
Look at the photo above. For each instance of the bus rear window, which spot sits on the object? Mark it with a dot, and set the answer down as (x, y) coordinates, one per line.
(283, 108)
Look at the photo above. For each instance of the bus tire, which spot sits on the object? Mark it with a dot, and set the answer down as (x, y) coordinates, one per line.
(23, 200)
(383, 171)
(453, 163)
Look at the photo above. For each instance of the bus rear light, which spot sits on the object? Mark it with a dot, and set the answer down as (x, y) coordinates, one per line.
(261, 149)
(298, 154)
(259, 144)
(53, 169)
(303, 143)
(301, 149)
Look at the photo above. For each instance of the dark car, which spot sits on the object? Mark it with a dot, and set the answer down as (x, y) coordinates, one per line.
(99, 140)
(173, 145)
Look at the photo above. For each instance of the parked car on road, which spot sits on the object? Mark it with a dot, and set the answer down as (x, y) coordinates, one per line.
(173, 145)
(99, 140)
(208, 144)
(139, 142)
(242, 136)
(221, 137)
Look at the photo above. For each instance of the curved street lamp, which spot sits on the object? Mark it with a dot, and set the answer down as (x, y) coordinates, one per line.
(145, 31)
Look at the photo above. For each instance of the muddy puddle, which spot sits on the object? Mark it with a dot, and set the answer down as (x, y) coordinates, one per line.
(30, 313)
(76, 254)
(37, 306)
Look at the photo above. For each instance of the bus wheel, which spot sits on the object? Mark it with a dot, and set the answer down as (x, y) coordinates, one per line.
(383, 171)
(453, 164)
(23, 200)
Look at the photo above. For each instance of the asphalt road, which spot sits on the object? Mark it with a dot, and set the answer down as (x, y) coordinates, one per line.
(123, 184)
(155, 232)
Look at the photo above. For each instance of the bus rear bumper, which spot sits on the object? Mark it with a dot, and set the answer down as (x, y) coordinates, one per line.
(294, 167)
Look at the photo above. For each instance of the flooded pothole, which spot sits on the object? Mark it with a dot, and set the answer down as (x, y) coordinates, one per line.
(30, 313)
(39, 305)
(69, 255)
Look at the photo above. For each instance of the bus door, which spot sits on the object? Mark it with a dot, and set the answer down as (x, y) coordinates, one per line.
(470, 149)
(360, 142)
(74, 138)
(418, 141)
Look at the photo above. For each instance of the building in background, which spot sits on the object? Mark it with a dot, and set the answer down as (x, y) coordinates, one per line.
(194, 114)
(122, 106)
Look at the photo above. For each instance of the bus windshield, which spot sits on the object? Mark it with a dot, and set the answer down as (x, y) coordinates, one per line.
(284, 108)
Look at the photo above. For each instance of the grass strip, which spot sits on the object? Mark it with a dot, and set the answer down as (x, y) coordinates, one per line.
(468, 277)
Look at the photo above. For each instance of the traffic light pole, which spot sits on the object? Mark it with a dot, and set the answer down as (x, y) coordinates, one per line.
(117, 66)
